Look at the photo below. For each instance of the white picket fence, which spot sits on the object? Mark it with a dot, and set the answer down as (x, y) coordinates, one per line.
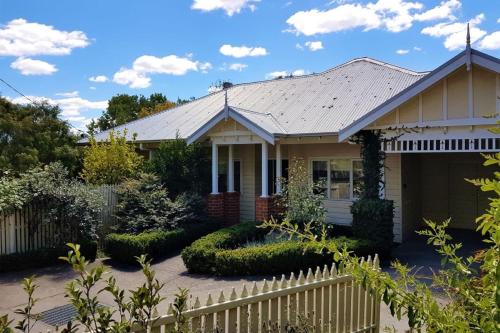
(29, 228)
(325, 301)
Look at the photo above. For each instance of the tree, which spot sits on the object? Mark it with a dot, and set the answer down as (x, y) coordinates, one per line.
(181, 167)
(124, 108)
(111, 161)
(34, 135)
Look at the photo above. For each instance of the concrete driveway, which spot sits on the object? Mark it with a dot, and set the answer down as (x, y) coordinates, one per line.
(51, 280)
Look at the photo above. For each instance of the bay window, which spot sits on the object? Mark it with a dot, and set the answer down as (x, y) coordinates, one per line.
(338, 179)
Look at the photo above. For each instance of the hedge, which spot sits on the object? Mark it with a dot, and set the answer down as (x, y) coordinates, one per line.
(44, 257)
(218, 253)
(125, 248)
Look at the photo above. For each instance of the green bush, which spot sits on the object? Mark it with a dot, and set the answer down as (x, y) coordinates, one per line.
(125, 247)
(200, 256)
(219, 253)
(43, 257)
(373, 220)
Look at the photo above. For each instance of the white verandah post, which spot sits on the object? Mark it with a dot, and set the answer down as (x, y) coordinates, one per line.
(265, 192)
(215, 168)
(278, 168)
(230, 170)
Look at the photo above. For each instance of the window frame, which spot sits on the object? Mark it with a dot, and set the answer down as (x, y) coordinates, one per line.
(329, 179)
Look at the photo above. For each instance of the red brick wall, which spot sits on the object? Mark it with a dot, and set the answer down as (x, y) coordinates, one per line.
(215, 206)
(232, 207)
(267, 207)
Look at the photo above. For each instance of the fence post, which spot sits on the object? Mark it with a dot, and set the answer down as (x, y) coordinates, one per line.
(12, 233)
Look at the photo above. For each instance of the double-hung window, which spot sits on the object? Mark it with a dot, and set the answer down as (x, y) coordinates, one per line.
(338, 179)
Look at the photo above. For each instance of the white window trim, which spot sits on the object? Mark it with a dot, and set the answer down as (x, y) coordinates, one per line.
(329, 178)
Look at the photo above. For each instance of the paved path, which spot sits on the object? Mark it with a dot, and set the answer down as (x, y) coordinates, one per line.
(171, 271)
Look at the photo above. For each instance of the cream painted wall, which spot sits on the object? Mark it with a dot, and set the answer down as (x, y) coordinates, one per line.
(393, 191)
(448, 99)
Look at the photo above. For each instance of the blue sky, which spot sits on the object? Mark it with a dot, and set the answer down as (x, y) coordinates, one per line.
(58, 49)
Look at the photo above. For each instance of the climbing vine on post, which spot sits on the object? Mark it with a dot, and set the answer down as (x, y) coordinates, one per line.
(373, 216)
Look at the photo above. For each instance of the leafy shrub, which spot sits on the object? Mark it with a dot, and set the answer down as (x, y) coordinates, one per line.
(373, 220)
(126, 247)
(372, 216)
(43, 257)
(219, 253)
(111, 161)
(182, 167)
(144, 205)
(68, 203)
(200, 256)
(301, 201)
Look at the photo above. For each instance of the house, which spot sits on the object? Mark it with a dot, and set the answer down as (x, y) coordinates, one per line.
(434, 123)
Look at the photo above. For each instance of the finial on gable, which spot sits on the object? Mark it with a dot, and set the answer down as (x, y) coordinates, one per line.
(467, 40)
(468, 60)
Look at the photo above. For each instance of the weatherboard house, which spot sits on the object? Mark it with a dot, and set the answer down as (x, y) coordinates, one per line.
(437, 123)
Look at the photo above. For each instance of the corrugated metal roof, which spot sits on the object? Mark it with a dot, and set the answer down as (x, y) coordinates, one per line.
(310, 104)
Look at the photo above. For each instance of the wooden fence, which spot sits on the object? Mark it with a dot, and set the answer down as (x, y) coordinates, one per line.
(30, 228)
(326, 301)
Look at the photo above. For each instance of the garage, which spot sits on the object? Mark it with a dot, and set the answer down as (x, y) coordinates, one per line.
(434, 187)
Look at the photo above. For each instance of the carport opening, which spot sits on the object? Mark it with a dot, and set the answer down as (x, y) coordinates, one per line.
(434, 187)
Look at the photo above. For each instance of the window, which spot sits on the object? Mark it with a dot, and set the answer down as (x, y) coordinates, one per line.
(320, 176)
(338, 179)
(271, 174)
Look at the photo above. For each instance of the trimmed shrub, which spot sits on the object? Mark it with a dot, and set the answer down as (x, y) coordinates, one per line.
(44, 257)
(125, 247)
(219, 253)
(200, 256)
(373, 220)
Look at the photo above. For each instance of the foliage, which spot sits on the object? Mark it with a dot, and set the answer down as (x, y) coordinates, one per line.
(468, 288)
(144, 205)
(33, 135)
(182, 167)
(221, 253)
(124, 108)
(43, 257)
(373, 219)
(137, 309)
(66, 201)
(111, 161)
(301, 200)
(155, 244)
(372, 216)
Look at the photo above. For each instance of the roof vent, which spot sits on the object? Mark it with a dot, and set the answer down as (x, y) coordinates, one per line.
(226, 85)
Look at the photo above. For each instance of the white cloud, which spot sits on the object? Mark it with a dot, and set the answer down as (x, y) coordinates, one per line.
(131, 78)
(416, 48)
(491, 41)
(276, 74)
(143, 66)
(299, 72)
(28, 66)
(92, 88)
(454, 33)
(237, 67)
(299, 47)
(443, 11)
(392, 15)
(231, 7)
(68, 94)
(98, 78)
(402, 52)
(281, 74)
(214, 88)
(242, 51)
(21, 38)
(73, 108)
(314, 46)
(498, 21)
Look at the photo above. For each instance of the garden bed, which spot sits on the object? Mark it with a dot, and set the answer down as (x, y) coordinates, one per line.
(224, 252)
(125, 248)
